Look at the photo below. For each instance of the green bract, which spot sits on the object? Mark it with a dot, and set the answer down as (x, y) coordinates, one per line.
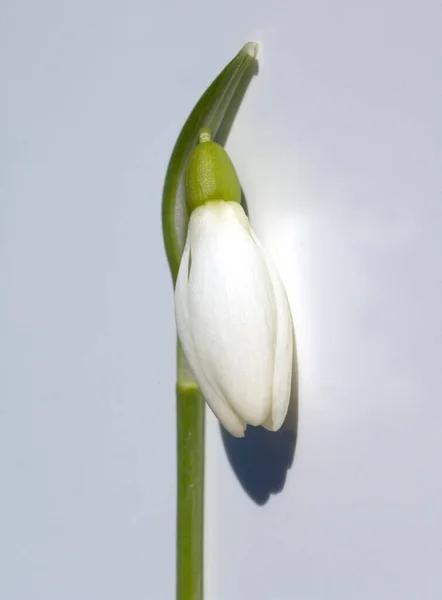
(216, 107)
(210, 174)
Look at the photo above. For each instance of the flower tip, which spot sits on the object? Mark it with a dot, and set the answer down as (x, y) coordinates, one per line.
(239, 434)
(251, 48)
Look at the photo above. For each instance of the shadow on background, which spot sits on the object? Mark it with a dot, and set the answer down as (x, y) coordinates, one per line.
(262, 458)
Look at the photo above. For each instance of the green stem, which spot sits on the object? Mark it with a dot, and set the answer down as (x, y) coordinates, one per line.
(190, 484)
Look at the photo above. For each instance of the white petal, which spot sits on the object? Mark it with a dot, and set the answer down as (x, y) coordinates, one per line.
(282, 378)
(217, 403)
(232, 309)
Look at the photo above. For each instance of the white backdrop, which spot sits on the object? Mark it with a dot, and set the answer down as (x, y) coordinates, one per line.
(338, 148)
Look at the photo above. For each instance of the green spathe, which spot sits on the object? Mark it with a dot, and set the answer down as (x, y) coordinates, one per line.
(210, 174)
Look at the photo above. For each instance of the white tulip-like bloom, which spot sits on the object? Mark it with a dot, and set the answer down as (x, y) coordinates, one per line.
(234, 320)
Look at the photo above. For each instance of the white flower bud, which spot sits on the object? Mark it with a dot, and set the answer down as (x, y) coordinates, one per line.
(233, 320)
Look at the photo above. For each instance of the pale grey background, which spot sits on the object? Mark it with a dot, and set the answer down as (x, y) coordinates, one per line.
(338, 146)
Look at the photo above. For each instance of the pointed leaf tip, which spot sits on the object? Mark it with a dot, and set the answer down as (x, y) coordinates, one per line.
(252, 49)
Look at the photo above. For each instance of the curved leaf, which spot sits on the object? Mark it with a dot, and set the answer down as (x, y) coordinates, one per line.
(209, 111)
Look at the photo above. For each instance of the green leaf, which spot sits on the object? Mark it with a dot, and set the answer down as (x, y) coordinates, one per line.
(212, 111)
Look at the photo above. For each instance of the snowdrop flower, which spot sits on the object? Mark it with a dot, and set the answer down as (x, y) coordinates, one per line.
(232, 314)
